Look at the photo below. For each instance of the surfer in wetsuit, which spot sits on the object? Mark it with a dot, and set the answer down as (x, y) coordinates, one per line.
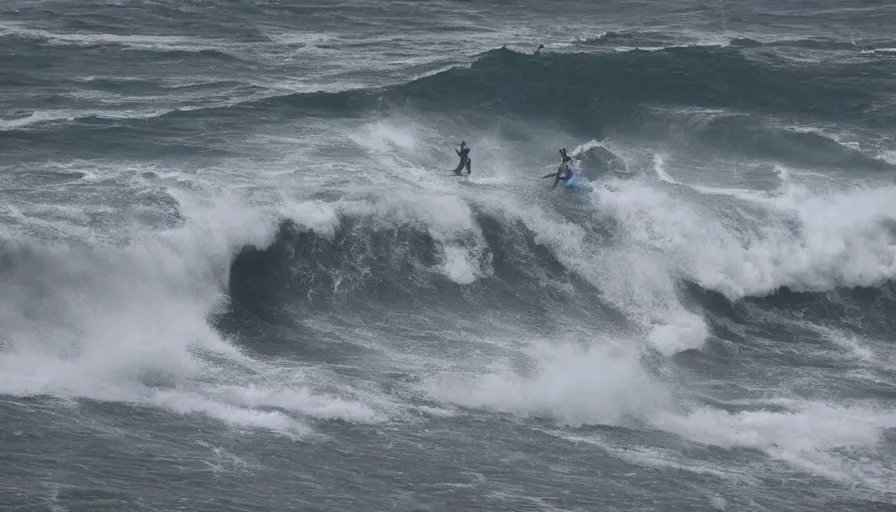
(464, 153)
(563, 173)
(564, 158)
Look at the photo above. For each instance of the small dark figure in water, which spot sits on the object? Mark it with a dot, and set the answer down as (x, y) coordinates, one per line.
(464, 153)
(538, 50)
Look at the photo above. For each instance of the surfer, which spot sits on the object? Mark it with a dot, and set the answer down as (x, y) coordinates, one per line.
(538, 50)
(564, 158)
(464, 153)
(563, 172)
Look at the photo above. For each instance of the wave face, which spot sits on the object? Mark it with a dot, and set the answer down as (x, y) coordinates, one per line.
(231, 248)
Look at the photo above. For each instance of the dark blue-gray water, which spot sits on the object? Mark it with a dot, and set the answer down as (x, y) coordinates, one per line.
(235, 273)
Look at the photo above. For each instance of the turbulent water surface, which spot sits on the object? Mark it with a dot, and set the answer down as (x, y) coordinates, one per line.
(235, 273)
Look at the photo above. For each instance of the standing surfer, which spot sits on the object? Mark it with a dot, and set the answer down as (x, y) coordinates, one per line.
(563, 172)
(464, 153)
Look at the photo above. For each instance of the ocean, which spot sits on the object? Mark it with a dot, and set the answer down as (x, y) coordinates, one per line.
(236, 273)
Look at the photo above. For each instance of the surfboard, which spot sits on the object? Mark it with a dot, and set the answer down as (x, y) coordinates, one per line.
(575, 181)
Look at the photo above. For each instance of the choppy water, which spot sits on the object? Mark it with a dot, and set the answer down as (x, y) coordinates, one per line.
(234, 274)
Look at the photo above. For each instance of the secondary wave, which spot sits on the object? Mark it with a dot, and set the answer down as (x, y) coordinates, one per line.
(592, 93)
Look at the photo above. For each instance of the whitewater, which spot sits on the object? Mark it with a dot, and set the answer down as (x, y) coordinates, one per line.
(235, 273)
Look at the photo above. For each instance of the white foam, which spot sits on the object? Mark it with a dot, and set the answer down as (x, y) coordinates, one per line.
(320, 217)
(129, 323)
(849, 342)
(449, 220)
(606, 385)
(223, 461)
(568, 382)
(879, 50)
(185, 402)
(381, 135)
(888, 156)
(718, 502)
(300, 400)
(635, 280)
(428, 201)
(818, 437)
(659, 167)
(89, 39)
(584, 148)
(660, 458)
(49, 116)
(838, 239)
(458, 266)
(686, 331)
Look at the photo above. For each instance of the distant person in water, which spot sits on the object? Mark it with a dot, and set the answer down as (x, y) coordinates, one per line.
(464, 153)
(563, 172)
(538, 50)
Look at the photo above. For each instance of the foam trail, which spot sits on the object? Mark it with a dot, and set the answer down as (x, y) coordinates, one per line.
(815, 436)
(51, 116)
(659, 166)
(156, 42)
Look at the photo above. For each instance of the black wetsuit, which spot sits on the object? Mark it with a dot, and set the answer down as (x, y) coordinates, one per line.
(464, 154)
